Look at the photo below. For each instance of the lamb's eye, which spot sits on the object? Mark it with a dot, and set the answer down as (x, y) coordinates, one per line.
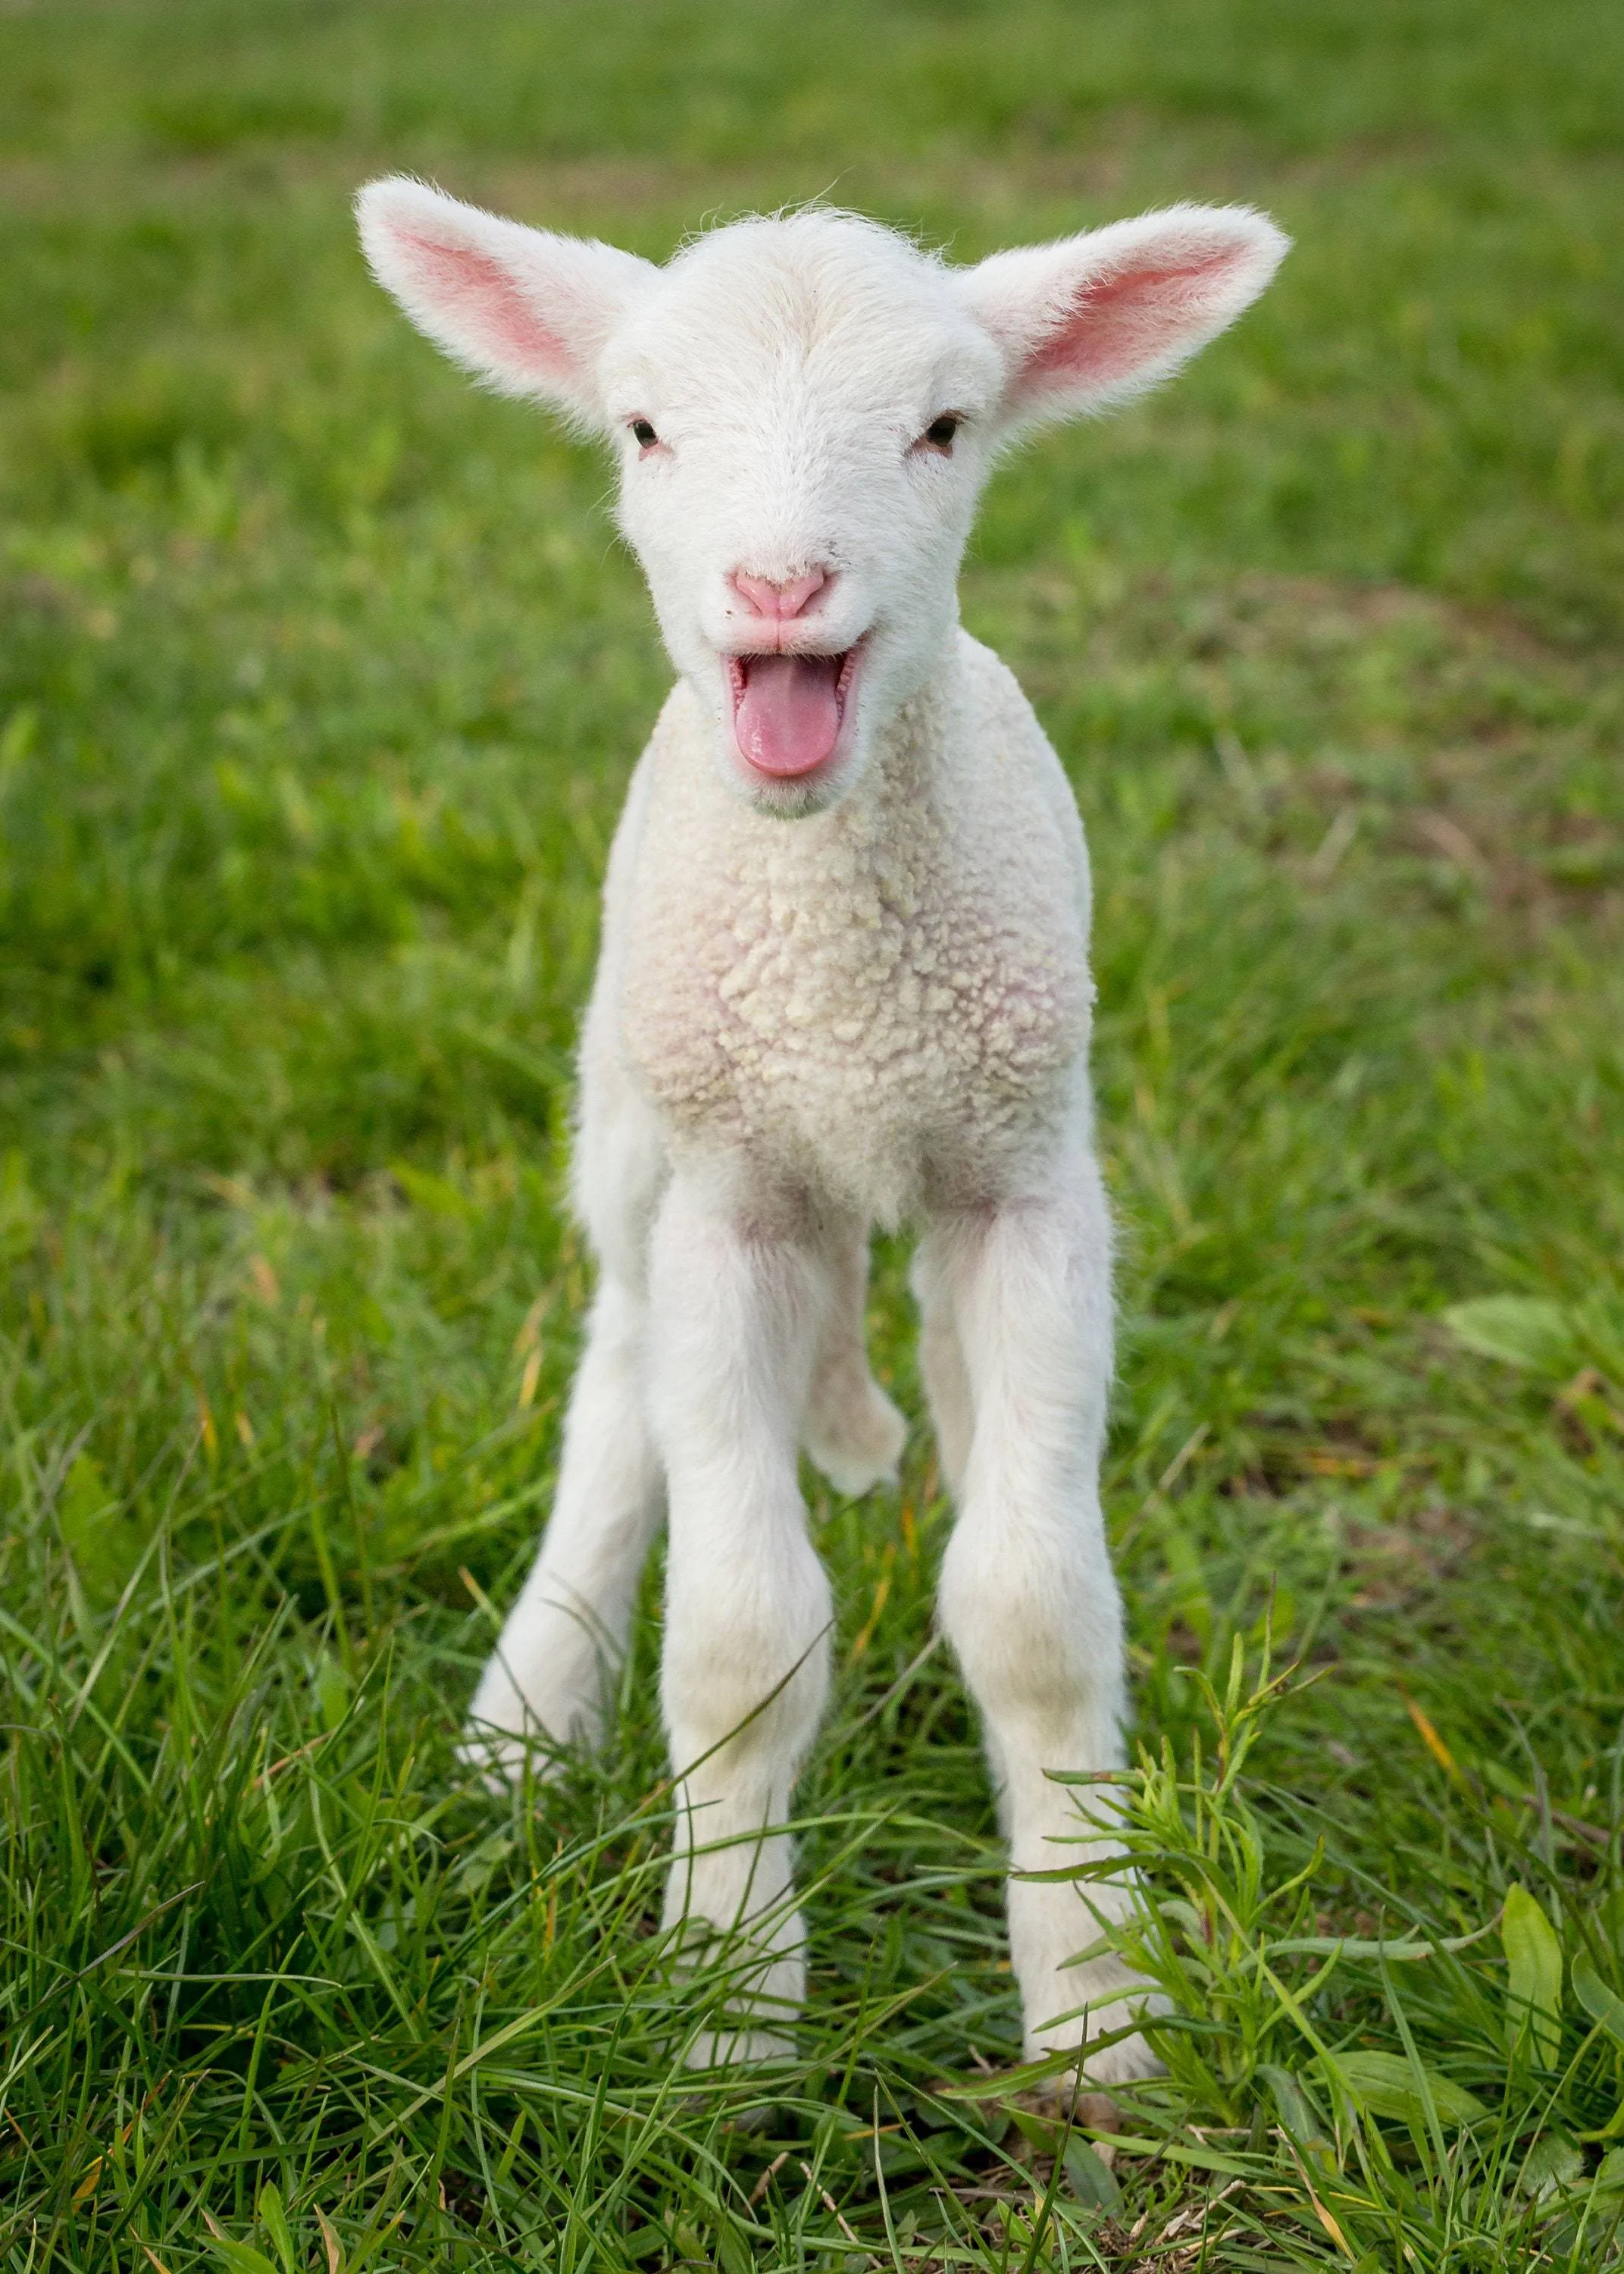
(644, 434)
(940, 433)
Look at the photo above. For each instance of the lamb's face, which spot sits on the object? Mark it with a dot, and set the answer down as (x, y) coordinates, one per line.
(805, 414)
(805, 410)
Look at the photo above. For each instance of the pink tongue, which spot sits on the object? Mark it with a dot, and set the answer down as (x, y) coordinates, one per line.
(787, 719)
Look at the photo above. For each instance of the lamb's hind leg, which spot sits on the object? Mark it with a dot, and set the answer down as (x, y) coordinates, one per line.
(550, 1673)
(942, 1362)
(1028, 1597)
(852, 1432)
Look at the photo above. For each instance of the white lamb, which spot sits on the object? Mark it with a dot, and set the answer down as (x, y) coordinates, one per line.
(844, 981)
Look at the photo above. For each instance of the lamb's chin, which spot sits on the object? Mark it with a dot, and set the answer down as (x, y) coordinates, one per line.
(795, 797)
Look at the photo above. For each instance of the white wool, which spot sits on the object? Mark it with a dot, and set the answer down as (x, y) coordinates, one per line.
(887, 1002)
(841, 983)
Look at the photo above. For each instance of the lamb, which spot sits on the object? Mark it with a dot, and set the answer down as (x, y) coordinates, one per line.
(843, 981)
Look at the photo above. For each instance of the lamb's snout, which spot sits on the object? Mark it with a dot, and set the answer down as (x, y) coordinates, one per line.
(778, 602)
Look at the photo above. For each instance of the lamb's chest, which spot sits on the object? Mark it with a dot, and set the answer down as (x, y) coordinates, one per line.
(842, 997)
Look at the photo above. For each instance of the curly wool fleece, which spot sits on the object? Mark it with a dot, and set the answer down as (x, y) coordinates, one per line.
(887, 1002)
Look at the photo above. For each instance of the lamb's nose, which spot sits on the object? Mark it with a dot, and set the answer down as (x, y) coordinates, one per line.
(779, 602)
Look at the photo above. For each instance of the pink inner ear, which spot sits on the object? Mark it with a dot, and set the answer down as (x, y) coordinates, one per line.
(477, 293)
(1119, 323)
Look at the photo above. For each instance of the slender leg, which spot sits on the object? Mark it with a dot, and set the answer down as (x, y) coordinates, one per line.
(942, 1362)
(735, 1319)
(564, 1637)
(553, 1668)
(1028, 1597)
(852, 1431)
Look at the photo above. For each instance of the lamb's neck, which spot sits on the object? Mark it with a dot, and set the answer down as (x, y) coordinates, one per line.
(916, 745)
(896, 807)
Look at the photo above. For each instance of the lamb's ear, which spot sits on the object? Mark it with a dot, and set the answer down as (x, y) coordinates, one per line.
(526, 310)
(1097, 318)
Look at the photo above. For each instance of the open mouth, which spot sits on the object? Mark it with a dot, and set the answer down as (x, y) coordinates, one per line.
(788, 710)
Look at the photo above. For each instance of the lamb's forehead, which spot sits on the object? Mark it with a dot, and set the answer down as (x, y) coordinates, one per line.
(845, 301)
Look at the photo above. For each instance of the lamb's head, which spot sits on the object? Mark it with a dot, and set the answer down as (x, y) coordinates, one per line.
(805, 410)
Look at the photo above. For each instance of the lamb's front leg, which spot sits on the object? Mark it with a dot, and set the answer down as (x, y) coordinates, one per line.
(736, 1315)
(1028, 1597)
(552, 1669)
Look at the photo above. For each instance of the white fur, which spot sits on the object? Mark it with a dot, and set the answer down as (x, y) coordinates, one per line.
(879, 1012)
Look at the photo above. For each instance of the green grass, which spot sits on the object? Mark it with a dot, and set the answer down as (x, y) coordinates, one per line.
(320, 682)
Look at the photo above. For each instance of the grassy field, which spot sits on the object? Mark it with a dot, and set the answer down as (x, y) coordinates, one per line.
(320, 679)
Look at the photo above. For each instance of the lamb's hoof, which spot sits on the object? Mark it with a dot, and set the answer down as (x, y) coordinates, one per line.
(501, 1758)
(1058, 2104)
(1060, 2097)
(734, 2049)
(864, 1449)
(1130, 2061)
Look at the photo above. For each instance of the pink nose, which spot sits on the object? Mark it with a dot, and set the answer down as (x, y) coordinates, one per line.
(779, 602)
